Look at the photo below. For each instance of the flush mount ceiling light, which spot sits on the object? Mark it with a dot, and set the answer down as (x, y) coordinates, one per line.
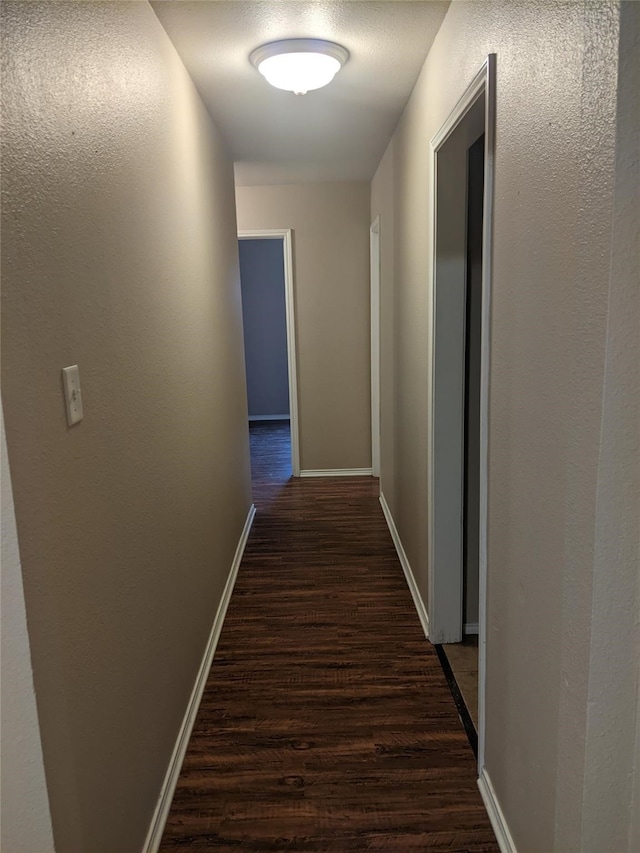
(299, 65)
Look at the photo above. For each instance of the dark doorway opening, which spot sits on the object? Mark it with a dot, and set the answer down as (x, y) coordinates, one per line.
(460, 660)
(265, 344)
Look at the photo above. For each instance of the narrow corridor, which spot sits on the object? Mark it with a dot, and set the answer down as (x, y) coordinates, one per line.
(327, 723)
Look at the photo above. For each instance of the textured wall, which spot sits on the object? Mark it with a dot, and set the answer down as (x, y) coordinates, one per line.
(614, 672)
(119, 254)
(265, 326)
(552, 251)
(331, 292)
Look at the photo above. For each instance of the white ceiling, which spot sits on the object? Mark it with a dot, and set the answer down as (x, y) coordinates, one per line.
(332, 134)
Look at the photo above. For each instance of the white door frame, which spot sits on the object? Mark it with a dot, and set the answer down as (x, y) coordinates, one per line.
(374, 257)
(441, 579)
(285, 234)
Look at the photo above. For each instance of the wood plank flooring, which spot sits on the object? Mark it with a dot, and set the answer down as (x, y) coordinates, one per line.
(327, 723)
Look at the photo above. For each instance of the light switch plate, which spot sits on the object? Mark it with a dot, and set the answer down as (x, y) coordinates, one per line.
(72, 394)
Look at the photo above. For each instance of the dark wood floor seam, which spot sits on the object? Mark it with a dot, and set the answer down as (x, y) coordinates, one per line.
(458, 698)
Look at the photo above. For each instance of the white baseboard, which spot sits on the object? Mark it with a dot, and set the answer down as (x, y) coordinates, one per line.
(338, 472)
(161, 813)
(269, 418)
(404, 562)
(470, 628)
(498, 822)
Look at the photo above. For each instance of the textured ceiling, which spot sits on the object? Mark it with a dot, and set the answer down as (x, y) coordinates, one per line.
(336, 133)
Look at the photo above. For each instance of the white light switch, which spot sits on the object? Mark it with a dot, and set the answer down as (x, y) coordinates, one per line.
(73, 397)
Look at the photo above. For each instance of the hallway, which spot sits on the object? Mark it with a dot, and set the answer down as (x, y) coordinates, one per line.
(140, 142)
(326, 723)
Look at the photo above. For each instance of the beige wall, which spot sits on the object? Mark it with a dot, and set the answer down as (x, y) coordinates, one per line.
(330, 223)
(555, 164)
(120, 255)
(613, 736)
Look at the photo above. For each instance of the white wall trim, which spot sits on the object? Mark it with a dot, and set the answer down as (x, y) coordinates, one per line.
(337, 472)
(268, 418)
(485, 360)
(496, 816)
(286, 235)
(406, 567)
(374, 264)
(167, 791)
(471, 628)
(471, 94)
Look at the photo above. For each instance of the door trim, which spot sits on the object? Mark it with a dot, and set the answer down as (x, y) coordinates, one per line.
(374, 259)
(483, 83)
(286, 235)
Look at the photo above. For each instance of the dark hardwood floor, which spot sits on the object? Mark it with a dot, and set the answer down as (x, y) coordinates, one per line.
(327, 723)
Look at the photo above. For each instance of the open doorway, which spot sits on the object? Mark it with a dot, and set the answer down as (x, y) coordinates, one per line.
(462, 657)
(462, 178)
(269, 342)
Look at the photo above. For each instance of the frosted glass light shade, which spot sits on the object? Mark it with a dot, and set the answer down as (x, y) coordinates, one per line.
(299, 65)
(299, 72)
